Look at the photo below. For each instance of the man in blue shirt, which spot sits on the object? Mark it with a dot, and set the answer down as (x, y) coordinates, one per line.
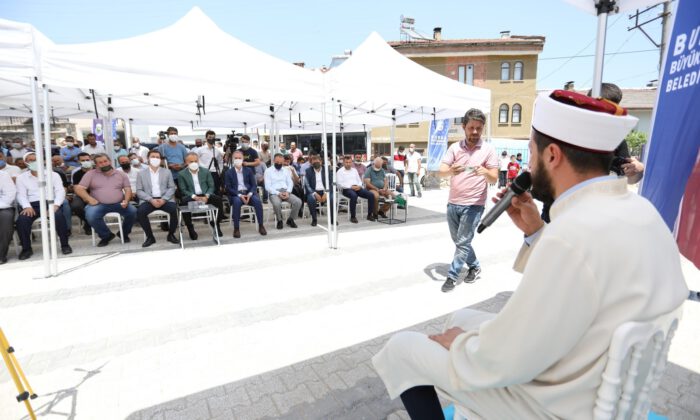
(173, 152)
(279, 185)
(70, 153)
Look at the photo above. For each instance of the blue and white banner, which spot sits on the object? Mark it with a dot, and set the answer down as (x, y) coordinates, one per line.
(674, 149)
(437, 143)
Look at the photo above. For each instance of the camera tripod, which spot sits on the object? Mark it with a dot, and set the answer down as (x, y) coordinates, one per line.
(25, 390)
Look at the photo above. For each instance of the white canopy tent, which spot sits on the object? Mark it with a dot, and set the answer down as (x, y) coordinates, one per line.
(144, 79)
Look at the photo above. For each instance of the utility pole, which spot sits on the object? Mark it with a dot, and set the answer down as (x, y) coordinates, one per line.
(665, 28)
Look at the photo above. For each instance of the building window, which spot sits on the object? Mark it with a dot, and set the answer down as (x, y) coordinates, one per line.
(518, 70)
(503, 114)
(465, 74)
(517, 110)
(505, 71)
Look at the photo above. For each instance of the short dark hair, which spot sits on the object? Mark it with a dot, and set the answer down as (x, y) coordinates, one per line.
(581, 160)
(91, 135)
(154, 152)
(169, 129)
(245, 137)
(277, 154)
(83, 154)
(474, 115)
(210, 132)
(609, 91)
(69, 138)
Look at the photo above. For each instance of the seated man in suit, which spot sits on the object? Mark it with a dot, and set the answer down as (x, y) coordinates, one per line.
(242, 190)
(155, 188)
(197, 184)
(316, 189)
(279, 185)
(351, 185)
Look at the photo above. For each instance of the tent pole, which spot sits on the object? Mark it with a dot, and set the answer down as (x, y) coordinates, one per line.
(604, 7)
(107, 133)
(49, 185)
(331, 188)
(42, 177)
(368, 141)
(393, 134)
(324, 153)
(127, 133)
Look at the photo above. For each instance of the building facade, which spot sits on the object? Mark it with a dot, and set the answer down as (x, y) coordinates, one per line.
(506, 65)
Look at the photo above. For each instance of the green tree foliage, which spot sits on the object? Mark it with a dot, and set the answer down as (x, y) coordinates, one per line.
(635, 140)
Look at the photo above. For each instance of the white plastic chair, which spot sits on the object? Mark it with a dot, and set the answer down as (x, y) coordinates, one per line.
(246, 210)
(119, 222)
(157, 220)
(286, 209)
(636, 362)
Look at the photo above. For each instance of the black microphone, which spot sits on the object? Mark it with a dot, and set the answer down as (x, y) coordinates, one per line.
(520, 185)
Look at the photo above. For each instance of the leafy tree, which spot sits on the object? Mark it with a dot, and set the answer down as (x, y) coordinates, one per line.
(635, 140)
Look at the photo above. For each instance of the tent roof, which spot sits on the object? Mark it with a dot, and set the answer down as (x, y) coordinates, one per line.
(377, 79)
(193, 56)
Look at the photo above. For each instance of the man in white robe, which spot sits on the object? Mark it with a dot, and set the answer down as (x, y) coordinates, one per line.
(606, 258)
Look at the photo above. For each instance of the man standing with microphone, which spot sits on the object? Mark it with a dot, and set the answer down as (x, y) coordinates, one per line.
(473, 165)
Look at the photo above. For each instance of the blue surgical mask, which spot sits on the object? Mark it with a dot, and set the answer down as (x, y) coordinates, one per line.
(32, 166)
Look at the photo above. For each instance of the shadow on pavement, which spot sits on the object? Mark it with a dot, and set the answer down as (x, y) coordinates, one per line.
(441, 269)
(50, 408)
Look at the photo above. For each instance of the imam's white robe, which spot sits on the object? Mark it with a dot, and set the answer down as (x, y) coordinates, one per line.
(605, 259)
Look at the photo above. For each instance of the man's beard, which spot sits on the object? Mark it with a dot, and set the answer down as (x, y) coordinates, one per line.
(542, 188)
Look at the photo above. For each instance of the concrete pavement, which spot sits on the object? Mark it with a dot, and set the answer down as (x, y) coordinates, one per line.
(123, 333)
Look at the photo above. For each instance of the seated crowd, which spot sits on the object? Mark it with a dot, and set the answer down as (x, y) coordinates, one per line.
(137, 182)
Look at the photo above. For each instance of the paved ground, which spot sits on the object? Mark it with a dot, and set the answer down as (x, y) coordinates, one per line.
(263, 328)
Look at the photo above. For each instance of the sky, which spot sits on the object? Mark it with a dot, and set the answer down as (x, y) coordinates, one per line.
(313, 31)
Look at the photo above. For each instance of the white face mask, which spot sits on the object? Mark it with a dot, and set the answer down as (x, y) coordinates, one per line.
(87, 164)
(154, 161)
(245, 146)
(193, 166)
(411, 150)
(173, 138)
(69, 144)
(136, 145)
(135, 162)
(238, 162)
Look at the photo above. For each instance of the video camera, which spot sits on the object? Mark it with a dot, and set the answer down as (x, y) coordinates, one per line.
(162, 135)
(232, 141)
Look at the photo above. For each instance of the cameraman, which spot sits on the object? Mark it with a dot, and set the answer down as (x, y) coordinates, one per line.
(211, 158)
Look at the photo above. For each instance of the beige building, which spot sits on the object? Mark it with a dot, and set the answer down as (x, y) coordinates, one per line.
(506, 65)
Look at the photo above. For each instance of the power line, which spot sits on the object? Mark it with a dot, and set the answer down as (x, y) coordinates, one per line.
(593, 55)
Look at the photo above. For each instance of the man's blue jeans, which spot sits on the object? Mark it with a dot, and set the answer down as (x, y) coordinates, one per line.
(94, 216)
(463, 221)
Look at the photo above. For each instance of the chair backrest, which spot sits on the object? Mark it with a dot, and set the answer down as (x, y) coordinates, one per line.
(391, 182)
(636, 361)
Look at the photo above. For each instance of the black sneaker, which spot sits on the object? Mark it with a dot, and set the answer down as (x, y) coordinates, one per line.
(473, 274)
(291, 223)
(280, 224)
(65, 250)
(105, 241)
(450, 285)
